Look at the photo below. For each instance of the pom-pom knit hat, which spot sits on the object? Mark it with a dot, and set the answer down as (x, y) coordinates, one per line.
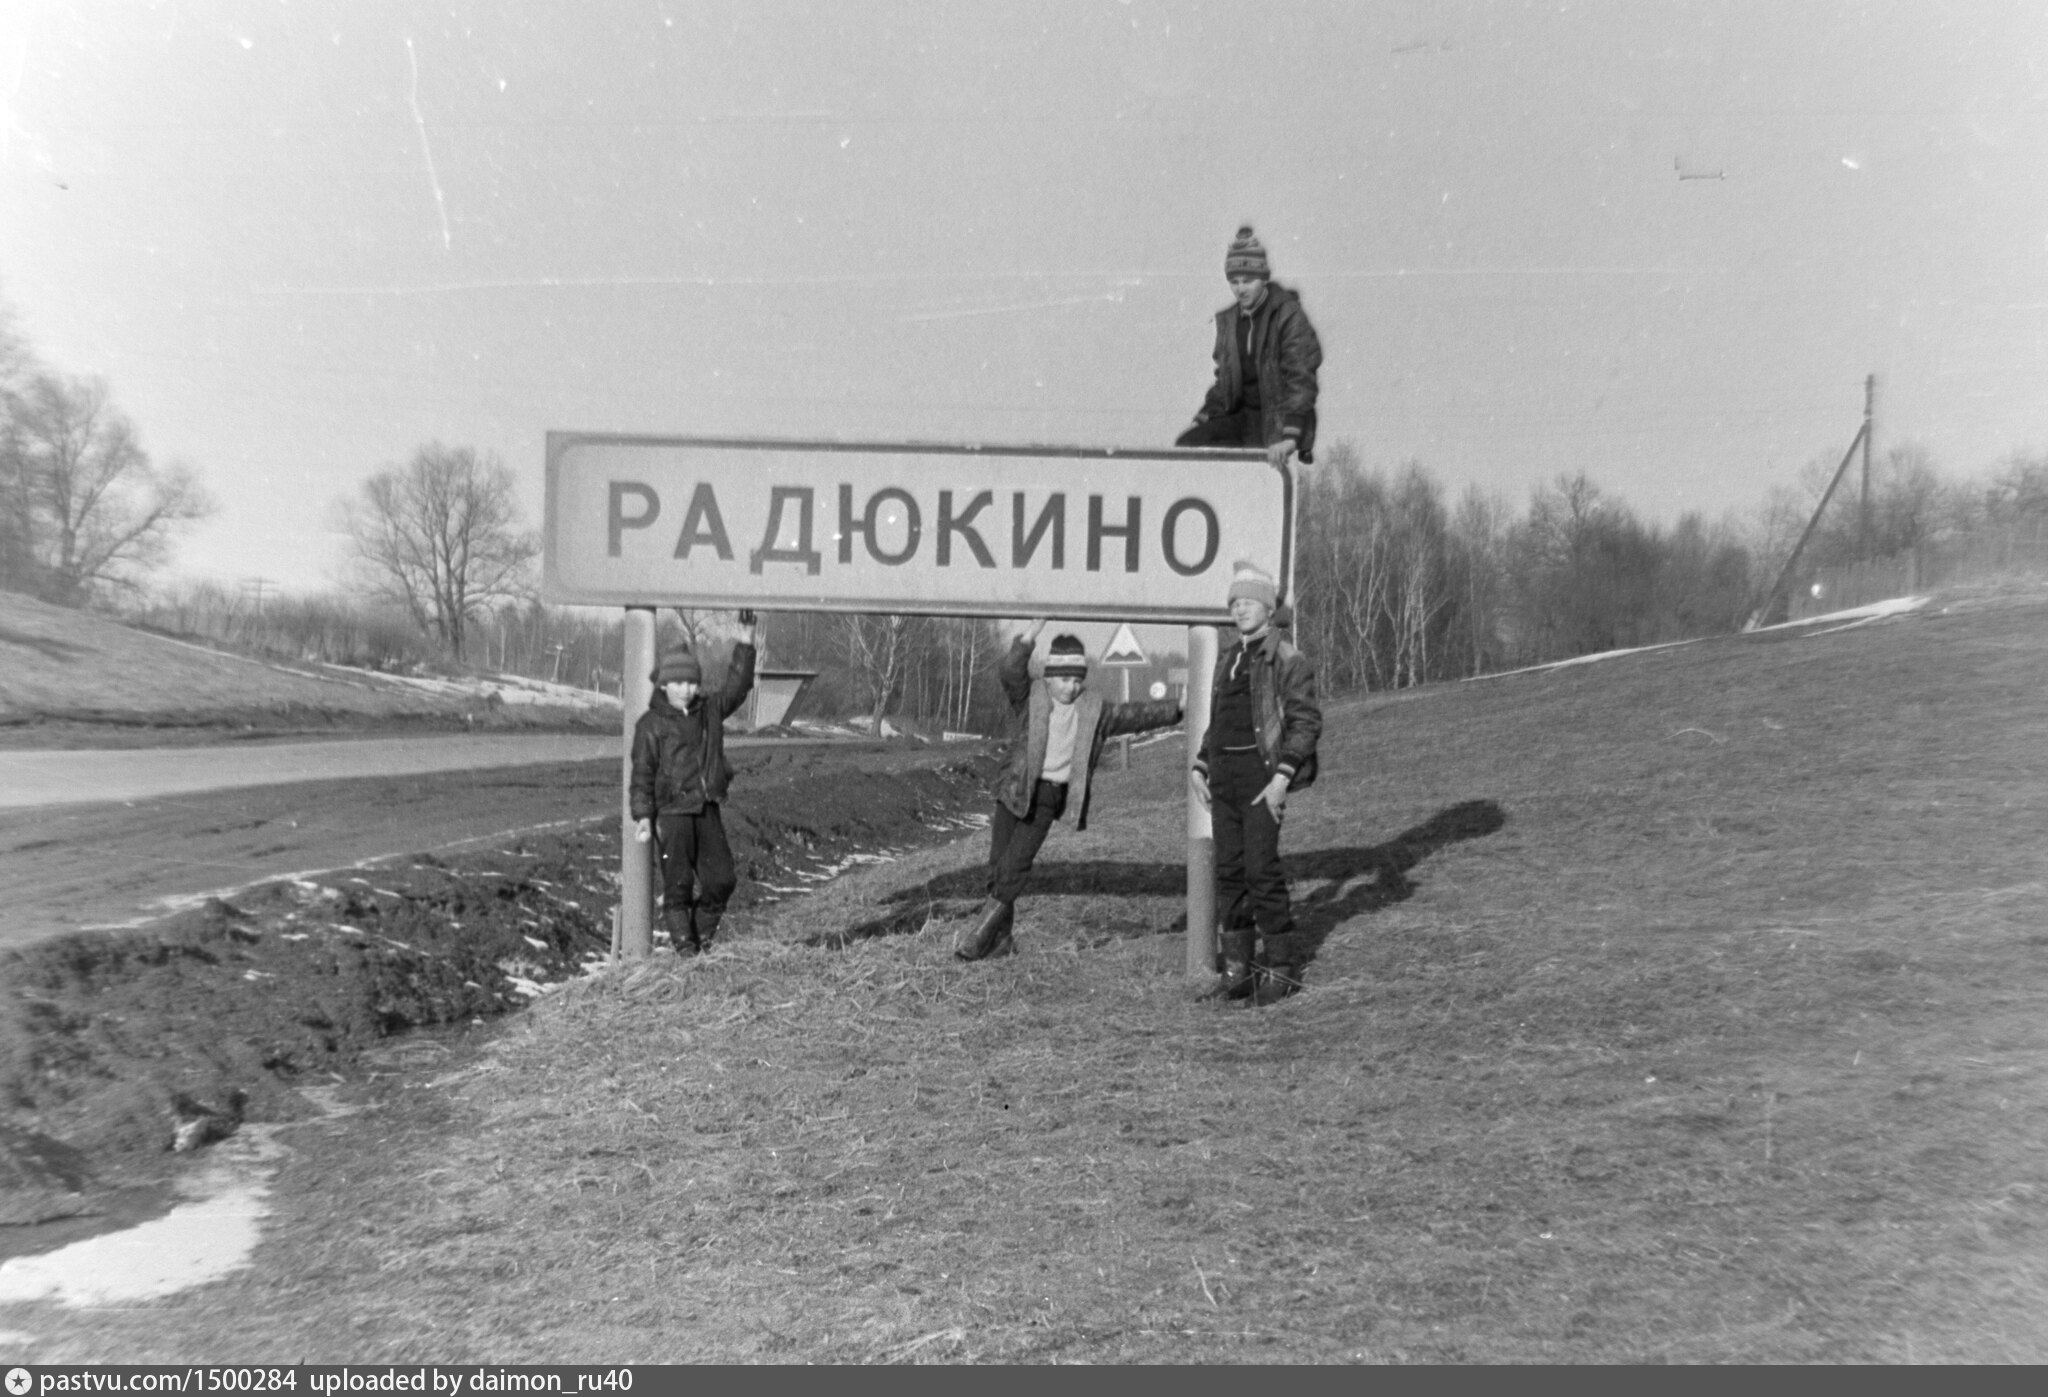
(677, 665)
(1249, 580)
(1067, 656)
(1247, 256)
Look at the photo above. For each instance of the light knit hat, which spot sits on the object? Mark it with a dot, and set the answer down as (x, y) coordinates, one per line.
(1249, 580)
(1247, 256)
(1067, 656)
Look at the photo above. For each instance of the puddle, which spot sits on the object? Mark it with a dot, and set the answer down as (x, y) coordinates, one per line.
(210, 1236)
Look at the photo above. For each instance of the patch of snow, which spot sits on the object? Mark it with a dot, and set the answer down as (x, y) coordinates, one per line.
(194, 1243)
(1579, 660)
(1877, 610)
(510, 689)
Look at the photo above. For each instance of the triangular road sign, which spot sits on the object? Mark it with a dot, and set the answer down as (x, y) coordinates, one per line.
(1123, 648)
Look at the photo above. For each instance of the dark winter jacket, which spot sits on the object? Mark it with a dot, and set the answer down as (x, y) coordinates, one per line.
(1097, 722)
(679, 760)
(1284, 709)
(1286, 356)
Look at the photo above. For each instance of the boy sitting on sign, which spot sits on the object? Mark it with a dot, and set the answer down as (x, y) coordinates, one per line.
(680, 776)
(1045, 777)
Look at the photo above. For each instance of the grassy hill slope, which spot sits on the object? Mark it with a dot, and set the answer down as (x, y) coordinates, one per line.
(1687, 1006)
(60, 667)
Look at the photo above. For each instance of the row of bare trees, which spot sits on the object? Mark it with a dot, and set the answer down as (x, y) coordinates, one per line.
(1396, 586)
(85, 514)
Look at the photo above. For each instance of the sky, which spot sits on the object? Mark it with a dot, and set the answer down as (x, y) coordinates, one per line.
(1662, 244)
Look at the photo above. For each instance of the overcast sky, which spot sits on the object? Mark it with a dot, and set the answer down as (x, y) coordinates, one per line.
(301, 239)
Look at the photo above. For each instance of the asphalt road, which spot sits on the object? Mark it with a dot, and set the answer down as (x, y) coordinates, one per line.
(46, 778)
(109, 839)
(74, 867)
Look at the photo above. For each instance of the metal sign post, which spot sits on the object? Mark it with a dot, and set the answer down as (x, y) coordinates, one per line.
(909, 529)
(1201, 832)
(636, 860)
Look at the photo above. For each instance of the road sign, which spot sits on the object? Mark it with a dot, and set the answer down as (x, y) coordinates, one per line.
(1123, 648)
(921, 529)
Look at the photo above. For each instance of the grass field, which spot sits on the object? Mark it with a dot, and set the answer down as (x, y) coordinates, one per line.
(1691, 1006)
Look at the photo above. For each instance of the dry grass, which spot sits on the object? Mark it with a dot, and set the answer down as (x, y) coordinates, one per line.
(1727, 1046)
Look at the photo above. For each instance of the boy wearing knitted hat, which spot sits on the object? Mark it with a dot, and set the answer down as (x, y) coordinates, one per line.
(680, 777)
(1267, 358)
(1261, 744)
(1046, 776)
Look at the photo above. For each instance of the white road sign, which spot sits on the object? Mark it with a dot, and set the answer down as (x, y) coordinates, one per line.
(923, 529)
(1123, 648)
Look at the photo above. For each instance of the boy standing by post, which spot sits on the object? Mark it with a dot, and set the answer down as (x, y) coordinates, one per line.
(1046, 775)
(1261, 744)
(1267, 359)
(680, 777)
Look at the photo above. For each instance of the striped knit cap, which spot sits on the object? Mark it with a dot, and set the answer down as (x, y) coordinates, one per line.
(1067, 656)
(1249, 580)
(1247, 256)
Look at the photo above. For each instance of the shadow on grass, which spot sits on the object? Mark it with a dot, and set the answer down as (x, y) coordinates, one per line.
(1328, 890)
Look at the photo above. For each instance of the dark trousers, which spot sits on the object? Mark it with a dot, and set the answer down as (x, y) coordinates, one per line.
(1013, 843)
(1245, 427)
(1251, 885)
(696, 862)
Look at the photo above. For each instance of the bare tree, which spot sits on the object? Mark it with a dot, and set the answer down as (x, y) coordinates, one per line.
(441, 537)
(878, 649)
(87, 510)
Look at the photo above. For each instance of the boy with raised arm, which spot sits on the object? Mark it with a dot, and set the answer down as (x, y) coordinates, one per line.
(680, 777)
(1045, 778)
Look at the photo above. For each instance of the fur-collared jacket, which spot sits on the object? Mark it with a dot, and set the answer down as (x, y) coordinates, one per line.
(1286, 356)
(679, 763)
(1285, 714)
(1031, 703)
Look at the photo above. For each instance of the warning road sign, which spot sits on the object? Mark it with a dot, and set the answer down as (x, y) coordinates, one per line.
(1123, 648)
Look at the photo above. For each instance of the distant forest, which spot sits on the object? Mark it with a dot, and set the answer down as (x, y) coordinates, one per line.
(1396, 584)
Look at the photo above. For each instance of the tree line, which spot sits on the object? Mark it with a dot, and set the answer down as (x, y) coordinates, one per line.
(1396, 583)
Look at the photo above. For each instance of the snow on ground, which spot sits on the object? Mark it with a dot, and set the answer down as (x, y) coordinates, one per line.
(1854, 616)
(511, 689)
(1857, 615)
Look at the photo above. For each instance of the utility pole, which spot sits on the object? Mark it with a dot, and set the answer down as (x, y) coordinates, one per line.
(255, 586)
(1869, 431)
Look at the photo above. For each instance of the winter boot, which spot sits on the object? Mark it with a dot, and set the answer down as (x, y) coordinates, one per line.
(681, 925)
(990, 935)
(1240, 970)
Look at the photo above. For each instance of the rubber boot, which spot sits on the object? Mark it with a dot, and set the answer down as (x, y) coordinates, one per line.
(991, 933)
(1240, 970)
(680, 924)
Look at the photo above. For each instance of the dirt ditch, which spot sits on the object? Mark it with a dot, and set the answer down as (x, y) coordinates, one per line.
(310, 980)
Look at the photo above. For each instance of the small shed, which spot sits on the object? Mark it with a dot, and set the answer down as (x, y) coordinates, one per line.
(775, 693)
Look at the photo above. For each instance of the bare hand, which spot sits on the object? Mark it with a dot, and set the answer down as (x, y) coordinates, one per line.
(643, 830)
(1199, 784)
(1275, 796)
(1037, 625)
(1278, 452)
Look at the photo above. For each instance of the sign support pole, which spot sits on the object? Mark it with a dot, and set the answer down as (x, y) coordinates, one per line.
(1124, 742)
(636, 860)
(1201, 833)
